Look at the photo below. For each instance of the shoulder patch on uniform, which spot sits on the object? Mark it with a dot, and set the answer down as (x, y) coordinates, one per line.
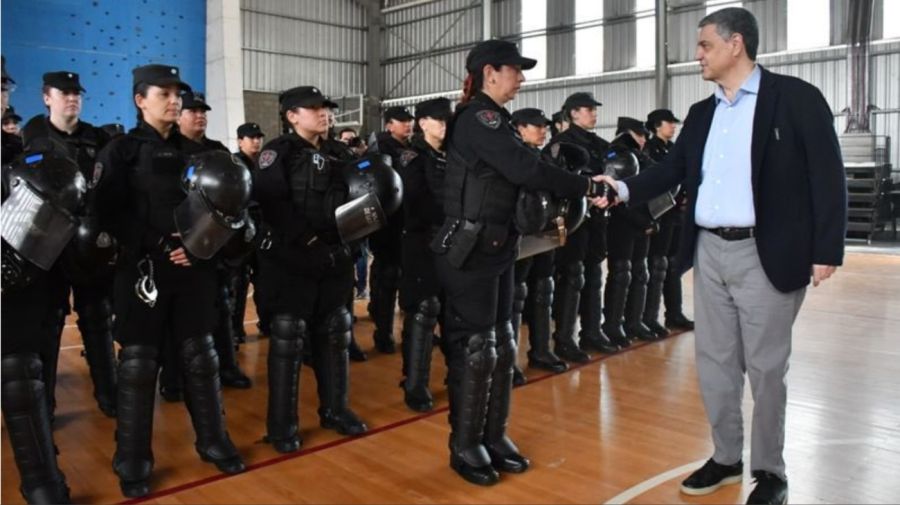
(489, 118)
(266, 158)
(98, 173)
(407, 156)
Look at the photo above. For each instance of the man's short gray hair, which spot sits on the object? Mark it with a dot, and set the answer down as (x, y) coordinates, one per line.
(733, 20)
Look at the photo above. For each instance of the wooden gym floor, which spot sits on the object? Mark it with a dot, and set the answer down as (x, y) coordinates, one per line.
(623, 428)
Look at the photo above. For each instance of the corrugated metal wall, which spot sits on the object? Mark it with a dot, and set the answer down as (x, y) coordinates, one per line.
(289, 43)
(426, 45)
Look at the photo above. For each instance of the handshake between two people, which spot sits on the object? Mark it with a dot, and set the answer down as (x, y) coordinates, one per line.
(606, 194)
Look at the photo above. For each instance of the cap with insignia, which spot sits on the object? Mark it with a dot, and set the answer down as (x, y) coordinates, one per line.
(624, 124)
(529, 116)
(63, 81)
(659, 115)
(10, 115)
(159, 75)
(249, 130)
(436, 108)
(397, 112)
(304, 96)
(496, 53)
(580, 99)
(194, 100)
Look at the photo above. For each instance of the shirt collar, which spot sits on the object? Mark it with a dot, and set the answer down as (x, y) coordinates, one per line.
(750, 86)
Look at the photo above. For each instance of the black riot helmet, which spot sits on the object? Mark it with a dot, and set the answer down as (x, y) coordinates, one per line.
(42, 192)
(374, 192)
(572, 157)
(563, 217)
(218, 187)
(621, 162)
(90, 253)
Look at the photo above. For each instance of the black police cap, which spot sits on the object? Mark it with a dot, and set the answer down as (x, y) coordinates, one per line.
(7, 79)
(63, 81)
(580, 99)
(437, 108)
(194, 100)
(159, 75)
(249, 130)
(530, 116)
(304, 96)
(630, 124)
(10, 115)
(496, 52)
(660, 115)
(397, 112)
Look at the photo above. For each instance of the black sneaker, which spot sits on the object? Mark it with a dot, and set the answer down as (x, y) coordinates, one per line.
(770, 489)
(711, 477)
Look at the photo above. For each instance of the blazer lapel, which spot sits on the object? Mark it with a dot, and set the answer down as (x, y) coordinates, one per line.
(763, 117)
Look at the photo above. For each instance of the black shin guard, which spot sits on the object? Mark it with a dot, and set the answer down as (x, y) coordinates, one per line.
(284, 362)
(539, 354)
(203, 395)
(27, 421)
(418, 341)
(95, 324)
(333, 375)
(133, 460)
(615, 297)
(658, 267)
(504, 454)
(568, 299)
(471, 361)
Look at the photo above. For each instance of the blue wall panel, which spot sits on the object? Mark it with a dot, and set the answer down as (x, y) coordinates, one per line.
(102, 40)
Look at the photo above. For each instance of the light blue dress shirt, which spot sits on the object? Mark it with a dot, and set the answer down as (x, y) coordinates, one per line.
(725, 197)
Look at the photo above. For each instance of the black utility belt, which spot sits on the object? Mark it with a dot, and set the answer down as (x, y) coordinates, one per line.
(730, 233)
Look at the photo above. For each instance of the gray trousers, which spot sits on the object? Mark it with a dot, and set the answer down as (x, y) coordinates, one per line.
(743, 326)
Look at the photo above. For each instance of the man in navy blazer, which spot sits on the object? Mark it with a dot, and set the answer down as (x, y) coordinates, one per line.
(767, 197)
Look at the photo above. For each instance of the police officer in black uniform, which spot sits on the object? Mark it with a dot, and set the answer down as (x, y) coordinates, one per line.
(477, 246)
(42, 192)
(250, 140)
(579, 286)
(305, 270)
(629, 241)
(162, 293)
(534, 275)
(192, 124)
(384, 278)
(88, 264)
(664, 245)
(422, 168)
(12, 144)
(11, 121)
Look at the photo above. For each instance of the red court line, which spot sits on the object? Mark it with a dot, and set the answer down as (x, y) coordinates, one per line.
(341, 441)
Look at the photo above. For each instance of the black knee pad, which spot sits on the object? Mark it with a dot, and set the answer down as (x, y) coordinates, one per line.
(639, 272)
(573, 275)
(286, 336)
(658, 265)
(506, 346)
(287, 327)
(145, 352)
(519, 296)
(95, 316)
(138, 365)
(429, 308)
(543, 291)
(199, 356)
(481, 355)
(620, 270)
(22, 367)
(337, 328)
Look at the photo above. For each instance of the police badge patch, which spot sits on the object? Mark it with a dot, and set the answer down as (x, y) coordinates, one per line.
(489, 118)
(407, 156)
(266, 158)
